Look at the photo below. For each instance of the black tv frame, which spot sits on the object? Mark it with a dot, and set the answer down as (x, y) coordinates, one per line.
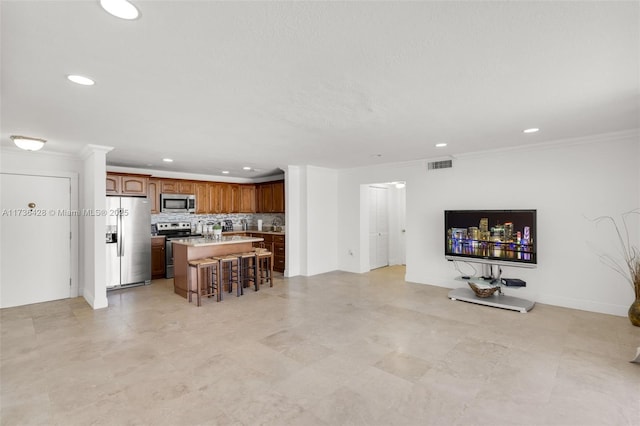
(527, 248)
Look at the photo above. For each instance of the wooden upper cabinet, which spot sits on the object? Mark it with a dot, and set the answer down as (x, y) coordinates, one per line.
(113, 184)
(234, 195)
(226, 202)
(134, 185)
(168, 186)
(215, 197)
(121, 184)
(266, 197)
(247, 199)
(153, 194)
(186, 187)
(278, 197)
(202, 198)
(177, 186)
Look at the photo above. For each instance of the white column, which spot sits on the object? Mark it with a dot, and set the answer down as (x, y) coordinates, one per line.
(93, 249)
(295, 214)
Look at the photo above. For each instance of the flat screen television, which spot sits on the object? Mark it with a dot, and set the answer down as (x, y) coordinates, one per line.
(498, 237)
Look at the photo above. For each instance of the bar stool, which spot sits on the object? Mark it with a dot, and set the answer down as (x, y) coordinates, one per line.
(264, 260)
(249, 269)
(211, 269)
(229, 264)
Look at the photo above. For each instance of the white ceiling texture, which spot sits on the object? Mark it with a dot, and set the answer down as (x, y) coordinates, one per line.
(221, 85)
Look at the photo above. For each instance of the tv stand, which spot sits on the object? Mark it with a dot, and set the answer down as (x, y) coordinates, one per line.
(497, 300)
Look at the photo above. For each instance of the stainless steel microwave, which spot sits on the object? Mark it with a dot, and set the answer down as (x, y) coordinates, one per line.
(177, 203)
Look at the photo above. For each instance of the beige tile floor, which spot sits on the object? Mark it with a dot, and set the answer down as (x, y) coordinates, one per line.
(334, 349)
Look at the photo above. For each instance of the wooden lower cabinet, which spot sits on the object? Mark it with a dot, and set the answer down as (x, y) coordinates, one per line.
(279, 253)
(157, 258)
(278, 242)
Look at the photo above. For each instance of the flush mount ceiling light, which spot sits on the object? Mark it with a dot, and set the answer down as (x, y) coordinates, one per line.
(120, 9)
(167, 160)
(225, 172)
(82, 80)
(246, 168)
(531, 130)
(441, 145)
(27, 143)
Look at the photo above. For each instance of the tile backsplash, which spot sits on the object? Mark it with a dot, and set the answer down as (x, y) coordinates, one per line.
(236, 218)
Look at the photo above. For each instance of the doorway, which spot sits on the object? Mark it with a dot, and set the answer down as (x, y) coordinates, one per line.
(36, 239)
(387, 221)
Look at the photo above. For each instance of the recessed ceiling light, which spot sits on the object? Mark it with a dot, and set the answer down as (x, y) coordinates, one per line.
(79, 79)
(441, 145)
(225, 172)
(246, 168)
(531, 130)
(400, 185)
(120, 8)
(167, 160)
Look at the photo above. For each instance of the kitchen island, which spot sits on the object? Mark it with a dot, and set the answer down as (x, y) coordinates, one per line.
(198, 248)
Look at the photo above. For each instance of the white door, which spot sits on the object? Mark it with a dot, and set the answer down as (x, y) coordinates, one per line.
(36, 245)
(378, 227)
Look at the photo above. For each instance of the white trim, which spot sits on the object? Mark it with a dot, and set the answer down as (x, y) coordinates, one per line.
(90, 149)
(559, 143)
(75, 253)
(192, 176)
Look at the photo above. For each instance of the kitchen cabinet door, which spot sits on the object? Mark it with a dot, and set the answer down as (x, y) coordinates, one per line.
(153, 194)
(215, 197)
(133, 185)
(157, 257)
(234, 198)
(168, 186)
(247, 199)
(186, 187)
(120, 184)
(267, 198)
(113, 184)
(278, 197)
(202, 198)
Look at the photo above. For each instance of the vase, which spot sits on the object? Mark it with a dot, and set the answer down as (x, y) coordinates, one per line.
(634, 313)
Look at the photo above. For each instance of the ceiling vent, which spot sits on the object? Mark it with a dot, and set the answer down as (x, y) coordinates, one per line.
(435, 165)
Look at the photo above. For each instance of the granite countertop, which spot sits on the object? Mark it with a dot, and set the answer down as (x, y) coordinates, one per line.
(253, 231)
(229, 239)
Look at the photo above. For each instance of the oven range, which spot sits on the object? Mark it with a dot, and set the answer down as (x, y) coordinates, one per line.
(174, 231)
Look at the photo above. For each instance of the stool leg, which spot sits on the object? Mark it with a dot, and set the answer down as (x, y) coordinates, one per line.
(198, 285)
(239, 284)
(256, 282)
(218, 282)
(189, 274)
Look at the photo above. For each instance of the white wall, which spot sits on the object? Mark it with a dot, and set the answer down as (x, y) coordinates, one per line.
(14, 160)
(567, 182)
(322, 218)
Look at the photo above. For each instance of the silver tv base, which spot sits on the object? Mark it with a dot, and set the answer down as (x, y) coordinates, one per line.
(496, 300)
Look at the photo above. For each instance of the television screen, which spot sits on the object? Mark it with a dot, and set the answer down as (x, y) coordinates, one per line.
(491, 236)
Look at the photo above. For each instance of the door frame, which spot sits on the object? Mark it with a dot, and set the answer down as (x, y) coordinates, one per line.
(73, 249)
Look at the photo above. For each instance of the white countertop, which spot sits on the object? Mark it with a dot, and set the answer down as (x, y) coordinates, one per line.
(231, 239)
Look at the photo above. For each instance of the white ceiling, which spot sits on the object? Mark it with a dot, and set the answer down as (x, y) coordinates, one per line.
(220, 85)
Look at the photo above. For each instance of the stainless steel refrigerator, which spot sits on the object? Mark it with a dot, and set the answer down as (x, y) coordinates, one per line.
(128, 239)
